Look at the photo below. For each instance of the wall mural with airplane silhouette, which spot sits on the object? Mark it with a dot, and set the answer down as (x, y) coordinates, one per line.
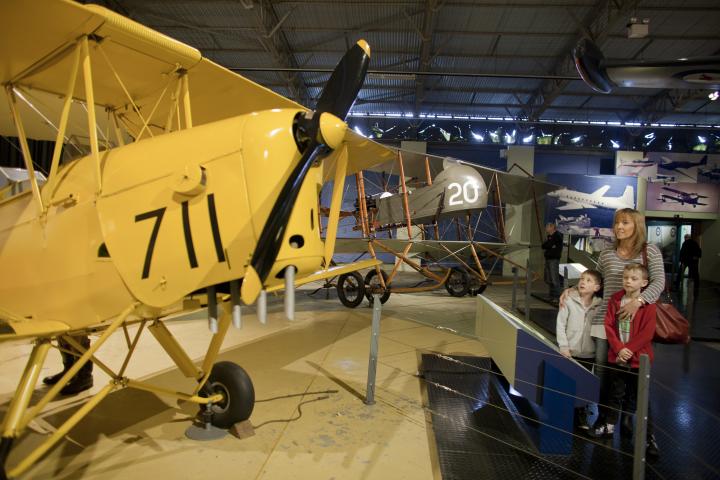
(683, 197)
(586, 204)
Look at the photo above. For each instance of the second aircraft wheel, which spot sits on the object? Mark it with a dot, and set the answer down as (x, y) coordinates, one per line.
(371, 281)
(457, 283)
(234, 384)
(351, 289)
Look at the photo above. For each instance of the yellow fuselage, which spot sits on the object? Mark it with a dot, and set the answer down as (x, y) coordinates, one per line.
(176, 213)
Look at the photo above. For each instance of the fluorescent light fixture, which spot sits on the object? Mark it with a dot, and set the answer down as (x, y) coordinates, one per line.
(409, 115)
(702, 139)
(614, 144)
(614, 123)
(714, 96)
(633, 124)
(443, 116)
(477, 136)
(576, 139)
(393, 115)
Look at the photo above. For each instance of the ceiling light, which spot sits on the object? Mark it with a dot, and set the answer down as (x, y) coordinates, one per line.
(714, 95)
(477, 136)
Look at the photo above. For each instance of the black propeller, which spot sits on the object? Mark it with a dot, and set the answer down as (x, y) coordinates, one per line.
(337, 98)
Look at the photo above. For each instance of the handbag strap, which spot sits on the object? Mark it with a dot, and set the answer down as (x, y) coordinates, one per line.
(644, 256)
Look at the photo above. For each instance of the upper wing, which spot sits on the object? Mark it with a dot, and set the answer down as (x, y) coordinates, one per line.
(135, 71)
(37, 42)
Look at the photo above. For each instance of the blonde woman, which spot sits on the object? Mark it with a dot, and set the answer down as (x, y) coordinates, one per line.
(630, 239)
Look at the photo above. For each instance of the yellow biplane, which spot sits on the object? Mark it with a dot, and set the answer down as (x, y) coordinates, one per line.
(191, 177)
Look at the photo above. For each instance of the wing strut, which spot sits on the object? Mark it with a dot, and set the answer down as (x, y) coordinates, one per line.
(90, 103)
(335, 203)
(25, 149)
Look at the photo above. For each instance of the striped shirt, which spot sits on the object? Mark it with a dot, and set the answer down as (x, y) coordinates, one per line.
(611, 267)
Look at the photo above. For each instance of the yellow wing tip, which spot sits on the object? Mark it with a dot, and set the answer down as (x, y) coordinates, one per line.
(365, 46)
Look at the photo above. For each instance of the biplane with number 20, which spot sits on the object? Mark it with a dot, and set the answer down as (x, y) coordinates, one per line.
(186, 176)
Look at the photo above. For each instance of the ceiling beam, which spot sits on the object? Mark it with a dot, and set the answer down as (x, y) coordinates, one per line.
(374, 26)
(274, 41)
(426, 41)
(597, 24)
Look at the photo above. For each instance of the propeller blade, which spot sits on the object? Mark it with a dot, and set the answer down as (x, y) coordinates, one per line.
(345, 82)
(589, 63)
(337, 98)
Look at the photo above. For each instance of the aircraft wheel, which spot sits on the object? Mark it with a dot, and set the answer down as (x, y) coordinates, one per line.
(457, 283)
(234, 383)
(371, 280)
(478, 290)
(351, 289)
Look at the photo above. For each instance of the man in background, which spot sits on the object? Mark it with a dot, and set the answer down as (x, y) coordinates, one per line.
(553, 248)
(690, 254)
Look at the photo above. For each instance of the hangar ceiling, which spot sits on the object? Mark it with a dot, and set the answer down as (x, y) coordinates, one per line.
(487, 59)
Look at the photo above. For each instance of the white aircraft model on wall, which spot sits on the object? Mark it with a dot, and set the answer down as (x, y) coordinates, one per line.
(575, 200)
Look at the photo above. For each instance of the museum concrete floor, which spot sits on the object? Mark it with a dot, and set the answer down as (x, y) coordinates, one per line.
(310, 420)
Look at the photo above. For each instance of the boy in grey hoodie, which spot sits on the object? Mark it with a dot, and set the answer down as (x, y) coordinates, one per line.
(573, 324)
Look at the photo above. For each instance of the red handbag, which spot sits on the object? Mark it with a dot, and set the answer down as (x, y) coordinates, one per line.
(670, 325)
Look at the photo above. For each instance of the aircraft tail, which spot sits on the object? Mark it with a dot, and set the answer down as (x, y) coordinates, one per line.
(628, 197)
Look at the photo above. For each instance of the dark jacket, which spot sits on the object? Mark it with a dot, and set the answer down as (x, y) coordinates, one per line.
(690, 251)
(553, 245)
(641, 332)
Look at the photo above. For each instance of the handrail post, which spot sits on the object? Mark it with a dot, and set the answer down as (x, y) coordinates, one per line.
(641, 418)
(372, 362)
(528, 281)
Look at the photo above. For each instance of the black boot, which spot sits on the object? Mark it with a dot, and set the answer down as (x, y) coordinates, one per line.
(83, 378)
(68, 361)
(79, 383)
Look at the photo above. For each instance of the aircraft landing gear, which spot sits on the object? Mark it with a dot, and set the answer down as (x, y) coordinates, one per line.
(238, 392)
(372, 283)
(351, 289)
(457, 284)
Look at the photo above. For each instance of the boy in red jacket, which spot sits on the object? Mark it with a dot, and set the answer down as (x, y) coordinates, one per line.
(628, 338)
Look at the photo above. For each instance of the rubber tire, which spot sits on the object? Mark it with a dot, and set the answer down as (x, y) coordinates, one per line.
(459, 287)
(369, 278)
(234, 383)
(477, 291)
(346, 300)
